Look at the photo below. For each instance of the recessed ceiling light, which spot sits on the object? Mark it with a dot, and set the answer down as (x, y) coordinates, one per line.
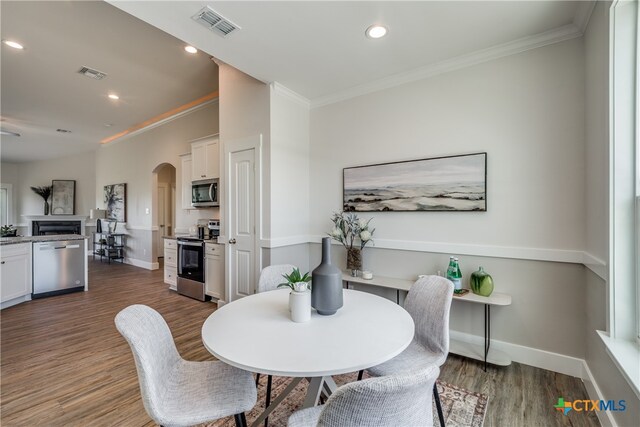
(113, 96)
(63, 130)
(376, 31)
(191, 49)
(13, 44)
(108, 125)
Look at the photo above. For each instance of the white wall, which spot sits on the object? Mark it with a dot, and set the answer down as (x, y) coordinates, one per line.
(527, 112)
(9, 175)
(133, 160)
(605, 373)
(80, 167)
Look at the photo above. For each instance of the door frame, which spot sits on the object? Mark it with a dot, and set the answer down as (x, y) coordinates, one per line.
(231, 146)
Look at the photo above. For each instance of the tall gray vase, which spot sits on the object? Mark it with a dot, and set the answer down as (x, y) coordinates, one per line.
(326, 283)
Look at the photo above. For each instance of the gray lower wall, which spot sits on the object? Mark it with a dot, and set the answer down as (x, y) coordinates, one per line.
(606, 374)
(297, 255)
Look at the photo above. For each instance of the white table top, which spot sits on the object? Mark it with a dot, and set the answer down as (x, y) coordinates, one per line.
(256, 333)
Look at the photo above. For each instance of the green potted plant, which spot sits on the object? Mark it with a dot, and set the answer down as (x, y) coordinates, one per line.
(8, 231)
(296, 281)
(299, 297)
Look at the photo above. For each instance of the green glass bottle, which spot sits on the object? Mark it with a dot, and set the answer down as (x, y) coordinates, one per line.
(454, 274)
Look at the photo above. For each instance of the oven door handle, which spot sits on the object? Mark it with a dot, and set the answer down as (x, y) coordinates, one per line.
(197, 245)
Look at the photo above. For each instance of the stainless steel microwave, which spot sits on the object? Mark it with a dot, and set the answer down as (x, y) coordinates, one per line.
(204, 193)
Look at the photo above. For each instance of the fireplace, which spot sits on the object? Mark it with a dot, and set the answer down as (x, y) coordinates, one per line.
(48, 225)
(47, 228)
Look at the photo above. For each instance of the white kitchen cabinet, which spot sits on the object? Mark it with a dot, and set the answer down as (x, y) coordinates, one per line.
(15, 273)
(170, 263)
(185, 164)
(205, 156)
(214, 270)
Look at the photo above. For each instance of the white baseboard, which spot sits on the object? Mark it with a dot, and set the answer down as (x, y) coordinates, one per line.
(605, 417)
(142, 264)
(550, 361)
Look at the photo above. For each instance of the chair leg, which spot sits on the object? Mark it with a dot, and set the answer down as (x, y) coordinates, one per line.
(268, 402)
(241, 420)
(438, 405)
(257, 379)
(360, 374)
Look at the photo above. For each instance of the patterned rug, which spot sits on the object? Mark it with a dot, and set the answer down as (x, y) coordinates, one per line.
(460, 407)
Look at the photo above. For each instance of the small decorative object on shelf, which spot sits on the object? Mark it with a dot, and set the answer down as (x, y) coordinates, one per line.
(454, 274)
(348, 229)
(326, 293)
(481, 283)
(8, 231)
(43, 192)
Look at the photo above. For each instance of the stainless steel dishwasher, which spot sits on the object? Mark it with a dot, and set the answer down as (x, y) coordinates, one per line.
(58, 267)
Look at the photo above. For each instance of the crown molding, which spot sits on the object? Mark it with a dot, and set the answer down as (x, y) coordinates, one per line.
(289, 94)
(583, 14)
(557, 35)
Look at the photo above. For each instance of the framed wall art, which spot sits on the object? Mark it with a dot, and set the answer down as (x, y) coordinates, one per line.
(115, 200)
(453, 183)
(63, 197)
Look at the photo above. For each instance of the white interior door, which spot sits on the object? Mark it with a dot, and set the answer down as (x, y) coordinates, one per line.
(163, 203)
(242, 207)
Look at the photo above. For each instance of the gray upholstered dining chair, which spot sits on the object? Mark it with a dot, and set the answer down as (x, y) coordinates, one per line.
(394, 400)
(177, 392)
(428, 303)
(270, 278)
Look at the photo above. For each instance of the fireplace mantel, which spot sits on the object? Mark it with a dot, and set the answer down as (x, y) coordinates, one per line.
(31, 218)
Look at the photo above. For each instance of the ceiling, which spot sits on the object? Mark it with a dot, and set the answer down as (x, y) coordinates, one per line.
(41, 90)
(316, 49)
(319, 49)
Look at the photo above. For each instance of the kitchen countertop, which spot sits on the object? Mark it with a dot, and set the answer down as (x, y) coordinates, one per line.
(38, 239)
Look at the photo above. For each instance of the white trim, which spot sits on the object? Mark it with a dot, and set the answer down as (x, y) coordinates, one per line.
(279, 242)
(142, 264)
(557, 35)
(595, 264)
(163, 121)
(289, 94)
(555, 362)
(15, 301)
(140, 227)
(590, 384)
(625, 355)
(583, 14)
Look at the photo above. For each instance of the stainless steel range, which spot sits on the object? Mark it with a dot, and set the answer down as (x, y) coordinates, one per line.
(191, 267)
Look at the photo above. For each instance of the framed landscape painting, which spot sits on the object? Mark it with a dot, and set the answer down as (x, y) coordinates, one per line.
(115, 200)
(63, 197)
(454, 183)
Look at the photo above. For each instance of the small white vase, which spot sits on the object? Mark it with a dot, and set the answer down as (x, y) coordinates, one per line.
(300, 305)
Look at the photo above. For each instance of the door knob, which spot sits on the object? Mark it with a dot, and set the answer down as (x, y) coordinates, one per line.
(232, 241)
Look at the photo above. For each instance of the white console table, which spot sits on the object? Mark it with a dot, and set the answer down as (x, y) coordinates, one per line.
(473, 351)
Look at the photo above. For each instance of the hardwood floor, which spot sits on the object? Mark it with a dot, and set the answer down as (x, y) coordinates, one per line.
(63, 363)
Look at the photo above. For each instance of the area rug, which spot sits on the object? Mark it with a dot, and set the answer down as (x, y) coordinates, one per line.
(461, 408)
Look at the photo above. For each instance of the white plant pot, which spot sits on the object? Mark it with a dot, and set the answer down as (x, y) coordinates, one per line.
(300, 305)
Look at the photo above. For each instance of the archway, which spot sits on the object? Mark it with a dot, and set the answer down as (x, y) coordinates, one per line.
(164, 206)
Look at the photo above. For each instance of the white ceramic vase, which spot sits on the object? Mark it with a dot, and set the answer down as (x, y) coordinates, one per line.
(300, 306)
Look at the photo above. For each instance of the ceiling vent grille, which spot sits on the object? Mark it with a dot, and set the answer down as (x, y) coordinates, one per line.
(215, 22)
(91, 73)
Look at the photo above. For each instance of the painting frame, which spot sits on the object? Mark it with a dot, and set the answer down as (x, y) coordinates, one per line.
(63, 197)
(408, 188)
(115, 200)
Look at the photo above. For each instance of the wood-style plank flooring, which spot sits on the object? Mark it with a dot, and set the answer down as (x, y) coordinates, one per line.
(63, 363)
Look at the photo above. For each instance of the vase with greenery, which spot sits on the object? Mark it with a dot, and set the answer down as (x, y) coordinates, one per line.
(8, 231)
(354, 234)
(44, 192)
(299, 297)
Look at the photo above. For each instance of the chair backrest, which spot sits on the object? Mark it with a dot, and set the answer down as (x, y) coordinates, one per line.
(429, 303)
(271, 276)
(154, 352)
(393, 400)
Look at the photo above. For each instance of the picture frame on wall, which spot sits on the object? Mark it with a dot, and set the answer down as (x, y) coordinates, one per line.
(115, 201)
(63, 197)
(451, 183)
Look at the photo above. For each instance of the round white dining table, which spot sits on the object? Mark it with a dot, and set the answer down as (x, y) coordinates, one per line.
(256, 333)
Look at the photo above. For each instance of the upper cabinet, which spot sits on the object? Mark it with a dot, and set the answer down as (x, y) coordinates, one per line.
(205, 159)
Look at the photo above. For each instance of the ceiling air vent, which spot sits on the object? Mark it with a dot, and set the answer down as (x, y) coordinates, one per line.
(215, 22)
(94, 74)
